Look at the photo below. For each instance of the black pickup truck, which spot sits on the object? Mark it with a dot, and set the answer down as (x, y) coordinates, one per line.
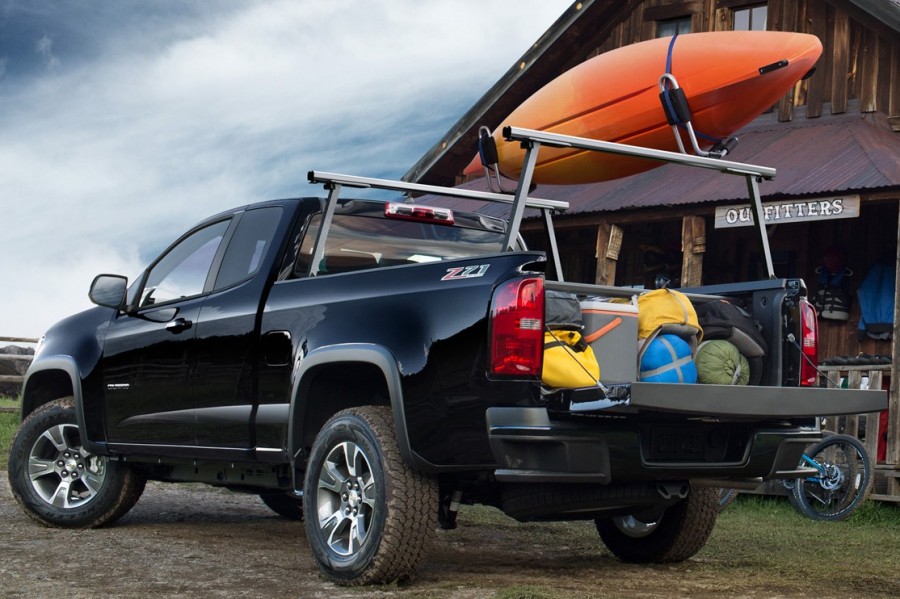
(372, 365)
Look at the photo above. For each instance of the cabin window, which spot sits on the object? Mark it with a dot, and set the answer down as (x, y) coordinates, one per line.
(360, 242)
(670, 27)
(751, 18)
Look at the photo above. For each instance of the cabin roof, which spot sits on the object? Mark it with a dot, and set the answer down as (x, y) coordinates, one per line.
(829, 155)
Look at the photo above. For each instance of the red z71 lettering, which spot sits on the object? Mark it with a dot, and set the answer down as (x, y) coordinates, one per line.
(465, 272)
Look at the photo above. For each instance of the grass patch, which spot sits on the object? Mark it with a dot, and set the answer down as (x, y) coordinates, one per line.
(760, 546)
(9, 422)
(763, 537)
(526, 592)
(877, 513)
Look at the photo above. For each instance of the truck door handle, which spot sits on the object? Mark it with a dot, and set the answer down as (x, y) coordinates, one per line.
(178, 325)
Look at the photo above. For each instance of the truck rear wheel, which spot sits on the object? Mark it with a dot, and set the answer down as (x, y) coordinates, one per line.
(672, 534)
(370, 518)
(60, 483)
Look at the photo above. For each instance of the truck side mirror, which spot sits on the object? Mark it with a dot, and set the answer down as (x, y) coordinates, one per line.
(109, 291)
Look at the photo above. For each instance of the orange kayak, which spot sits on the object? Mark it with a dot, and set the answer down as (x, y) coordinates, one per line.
(729, 78)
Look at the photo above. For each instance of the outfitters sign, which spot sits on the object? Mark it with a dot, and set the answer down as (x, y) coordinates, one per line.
(790, 211)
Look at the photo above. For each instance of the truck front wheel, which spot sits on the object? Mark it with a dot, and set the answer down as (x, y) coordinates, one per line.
(369, 517)
(672, 534)
(58, 482)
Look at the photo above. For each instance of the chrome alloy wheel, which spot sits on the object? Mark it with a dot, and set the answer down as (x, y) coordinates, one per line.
(345, 498)
(61, 471)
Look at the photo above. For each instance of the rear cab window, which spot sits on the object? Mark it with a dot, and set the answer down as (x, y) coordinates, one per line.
(362, 237)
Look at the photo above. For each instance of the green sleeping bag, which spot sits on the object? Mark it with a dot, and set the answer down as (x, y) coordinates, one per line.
(719, 362)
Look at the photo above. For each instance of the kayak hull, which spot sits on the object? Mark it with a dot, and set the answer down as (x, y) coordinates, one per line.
(729, 78)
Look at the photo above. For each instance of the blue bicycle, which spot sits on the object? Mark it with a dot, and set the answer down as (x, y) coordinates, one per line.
(842, 483)
(843, 480)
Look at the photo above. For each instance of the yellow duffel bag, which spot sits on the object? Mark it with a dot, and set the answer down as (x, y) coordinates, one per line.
(569, 361)
(668, 311)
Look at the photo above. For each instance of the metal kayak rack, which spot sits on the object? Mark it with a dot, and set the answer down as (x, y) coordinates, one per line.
(532, 141)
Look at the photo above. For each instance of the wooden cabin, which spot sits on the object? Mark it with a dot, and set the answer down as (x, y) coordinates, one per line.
(834, 139)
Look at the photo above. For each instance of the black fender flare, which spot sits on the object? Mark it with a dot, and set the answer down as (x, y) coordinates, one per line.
(369, 353)
(68, 366)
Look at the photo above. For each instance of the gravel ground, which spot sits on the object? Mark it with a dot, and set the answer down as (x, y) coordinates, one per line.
(198, 541)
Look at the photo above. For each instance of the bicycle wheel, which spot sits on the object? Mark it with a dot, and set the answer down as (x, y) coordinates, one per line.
(726, 496)
(843, 483)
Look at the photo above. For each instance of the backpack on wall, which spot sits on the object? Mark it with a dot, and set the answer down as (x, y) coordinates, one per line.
(876, 302)
(832, 303)
(831, 300)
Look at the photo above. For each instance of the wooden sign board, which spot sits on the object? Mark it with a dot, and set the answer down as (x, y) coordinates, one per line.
(790, 211)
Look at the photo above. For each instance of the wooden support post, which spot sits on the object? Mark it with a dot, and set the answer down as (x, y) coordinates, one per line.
(693, 246)
(851, 427)
(893, 428)
(609, 244)
(873, 430)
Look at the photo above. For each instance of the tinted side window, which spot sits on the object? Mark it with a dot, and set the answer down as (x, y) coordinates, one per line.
(248, 246)
(182, 272)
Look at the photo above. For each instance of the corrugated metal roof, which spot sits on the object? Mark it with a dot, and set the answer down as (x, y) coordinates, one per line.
(829, 155)
(886, 11)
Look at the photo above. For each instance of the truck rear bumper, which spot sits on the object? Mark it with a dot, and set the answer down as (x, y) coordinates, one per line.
(529, 446)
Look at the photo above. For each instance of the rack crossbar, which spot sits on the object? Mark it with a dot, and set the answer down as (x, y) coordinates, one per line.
(582, 143)
(471, 194)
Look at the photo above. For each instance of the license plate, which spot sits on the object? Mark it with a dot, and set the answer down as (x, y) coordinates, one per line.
(677, 444)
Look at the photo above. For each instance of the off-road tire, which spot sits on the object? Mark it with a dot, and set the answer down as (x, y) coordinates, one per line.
(680, 530)
(391, 509)
(284, 505)
(96, 492)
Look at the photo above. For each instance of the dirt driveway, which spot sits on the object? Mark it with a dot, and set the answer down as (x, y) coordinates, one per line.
(196, 541)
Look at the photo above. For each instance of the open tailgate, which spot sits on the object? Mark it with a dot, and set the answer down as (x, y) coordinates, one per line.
(731, 401)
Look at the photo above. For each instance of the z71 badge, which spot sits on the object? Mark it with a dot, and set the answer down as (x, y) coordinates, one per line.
(465, 272)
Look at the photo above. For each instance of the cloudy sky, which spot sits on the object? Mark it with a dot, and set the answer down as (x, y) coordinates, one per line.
(124, 122)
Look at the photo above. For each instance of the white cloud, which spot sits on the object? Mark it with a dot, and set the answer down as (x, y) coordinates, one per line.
(44, 48)
(105, 162)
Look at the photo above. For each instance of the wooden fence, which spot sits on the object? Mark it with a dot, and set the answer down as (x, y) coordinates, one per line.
(15, 378)
(874, 430)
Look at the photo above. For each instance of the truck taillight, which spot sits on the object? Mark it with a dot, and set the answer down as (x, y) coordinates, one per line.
(517, 328)
(419, 214)
(809, 344)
